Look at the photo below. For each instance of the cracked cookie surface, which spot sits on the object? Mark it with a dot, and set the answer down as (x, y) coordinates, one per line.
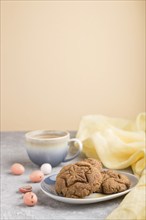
(94, 163)
(114, 182)
(78, 180)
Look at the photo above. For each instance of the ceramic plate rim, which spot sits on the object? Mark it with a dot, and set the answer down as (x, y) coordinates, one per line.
(87, 200)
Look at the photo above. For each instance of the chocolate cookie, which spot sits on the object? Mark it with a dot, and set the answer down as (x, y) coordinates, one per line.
(78, 180)
(94, 163)
(114, 182)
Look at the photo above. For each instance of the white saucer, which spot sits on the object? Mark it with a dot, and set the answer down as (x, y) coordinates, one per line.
(48, 187)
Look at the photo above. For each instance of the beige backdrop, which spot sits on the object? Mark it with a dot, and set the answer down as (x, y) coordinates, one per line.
(65, 59)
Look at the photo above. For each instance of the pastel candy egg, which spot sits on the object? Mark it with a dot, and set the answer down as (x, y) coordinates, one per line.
(17, 169)
(30, 199)
(36, 176)
(46, 168)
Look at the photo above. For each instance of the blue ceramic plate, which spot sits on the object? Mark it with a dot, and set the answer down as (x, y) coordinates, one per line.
(48, 187)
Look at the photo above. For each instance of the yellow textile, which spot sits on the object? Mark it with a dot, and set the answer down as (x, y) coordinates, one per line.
(118, 143)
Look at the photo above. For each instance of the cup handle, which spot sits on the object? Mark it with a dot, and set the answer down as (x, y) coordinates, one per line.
(80, 145)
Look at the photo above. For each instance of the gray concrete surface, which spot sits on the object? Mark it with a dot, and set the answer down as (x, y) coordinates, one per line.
(12, 207)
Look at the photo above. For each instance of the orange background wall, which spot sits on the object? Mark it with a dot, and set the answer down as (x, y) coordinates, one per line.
(65, 59)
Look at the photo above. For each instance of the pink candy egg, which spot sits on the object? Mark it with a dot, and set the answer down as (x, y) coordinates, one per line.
(36, 176)
(30, 199)
(17, 169)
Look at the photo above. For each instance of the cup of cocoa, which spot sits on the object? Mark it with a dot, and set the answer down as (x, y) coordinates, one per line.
(50, 146)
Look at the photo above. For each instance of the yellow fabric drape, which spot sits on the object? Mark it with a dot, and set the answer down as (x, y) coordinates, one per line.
(118, 143)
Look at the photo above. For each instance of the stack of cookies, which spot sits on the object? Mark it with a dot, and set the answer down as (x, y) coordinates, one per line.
(88, 176)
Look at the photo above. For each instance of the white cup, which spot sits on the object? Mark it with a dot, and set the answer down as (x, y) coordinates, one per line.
(50, 146)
